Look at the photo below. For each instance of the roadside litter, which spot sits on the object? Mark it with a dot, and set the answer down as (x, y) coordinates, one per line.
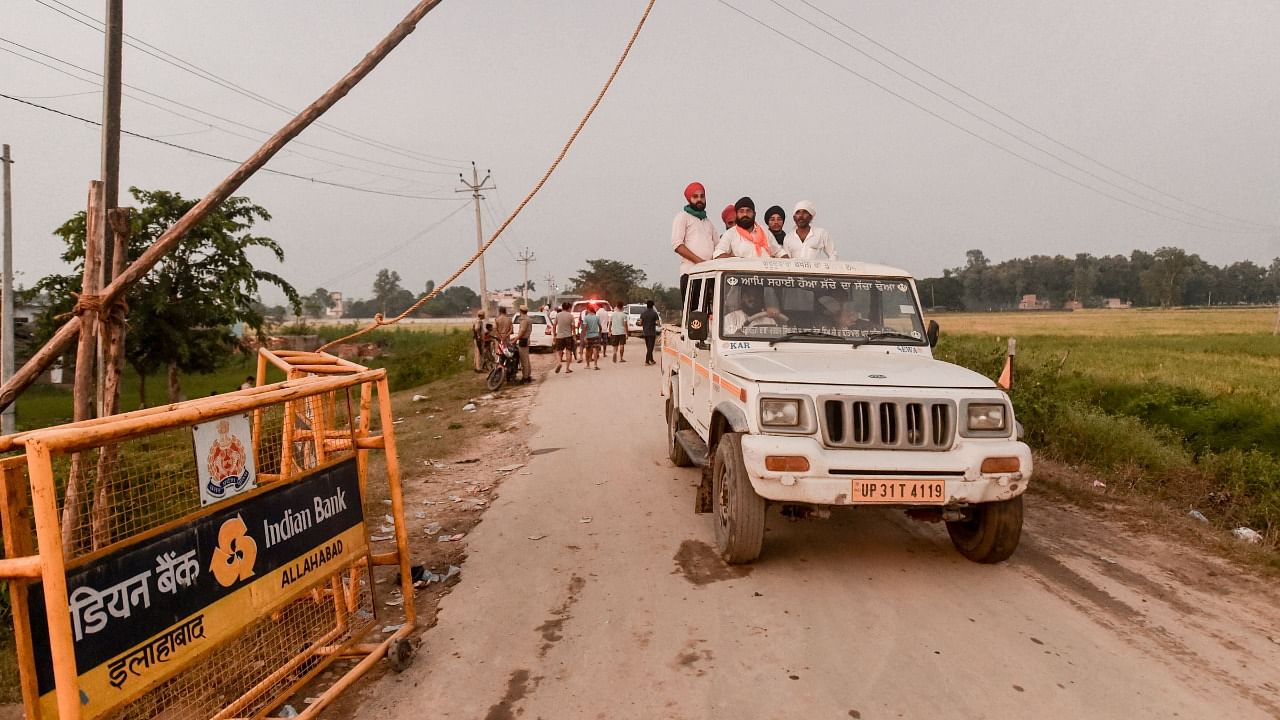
(420, 398)
(469, 407)
(536, 537)
(1199, 516)
(584, 520)
(432, 529)
(1248, 535)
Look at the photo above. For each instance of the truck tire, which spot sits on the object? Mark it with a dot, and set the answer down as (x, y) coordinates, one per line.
(991, 534)
(675, 423)
(739, 511)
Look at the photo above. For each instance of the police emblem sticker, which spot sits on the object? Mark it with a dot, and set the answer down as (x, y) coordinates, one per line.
(224, 458)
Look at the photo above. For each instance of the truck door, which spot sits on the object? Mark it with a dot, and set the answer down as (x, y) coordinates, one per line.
(684, 361)
(704, 361)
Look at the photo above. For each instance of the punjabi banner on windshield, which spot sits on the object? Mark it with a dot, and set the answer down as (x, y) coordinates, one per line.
(142, 613)
(770, 305)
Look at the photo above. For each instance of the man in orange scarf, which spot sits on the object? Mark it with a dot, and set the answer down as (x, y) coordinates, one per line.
(747, 239)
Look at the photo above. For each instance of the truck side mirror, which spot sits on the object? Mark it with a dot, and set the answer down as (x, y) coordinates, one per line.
(932, 333)
(697, 329)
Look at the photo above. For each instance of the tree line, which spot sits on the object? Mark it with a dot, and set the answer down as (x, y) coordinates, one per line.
(1167, 277)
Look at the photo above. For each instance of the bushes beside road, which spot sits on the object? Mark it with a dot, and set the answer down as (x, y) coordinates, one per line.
(1204, 436)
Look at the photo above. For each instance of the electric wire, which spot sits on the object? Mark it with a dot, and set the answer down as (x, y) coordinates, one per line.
(1014, 135)
(396, 248)
(1042, 134)
(193, 69)
(973, 133)
(224, 159)
(378, 320)
(215, 116)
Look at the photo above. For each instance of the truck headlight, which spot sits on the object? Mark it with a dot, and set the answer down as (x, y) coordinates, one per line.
(986, 416)
(778, 412)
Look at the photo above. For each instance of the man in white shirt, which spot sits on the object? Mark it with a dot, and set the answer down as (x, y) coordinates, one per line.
(747, 239)
(807, 242)
(693, 236)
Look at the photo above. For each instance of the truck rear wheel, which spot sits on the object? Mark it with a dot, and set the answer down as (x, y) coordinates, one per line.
(676, 423)
(991, 534)
(739, 511)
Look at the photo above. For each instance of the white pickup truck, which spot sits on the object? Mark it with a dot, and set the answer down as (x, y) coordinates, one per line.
(812, 384)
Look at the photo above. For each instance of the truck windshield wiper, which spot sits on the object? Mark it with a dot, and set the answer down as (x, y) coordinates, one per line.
(814, 333)
(879, 334)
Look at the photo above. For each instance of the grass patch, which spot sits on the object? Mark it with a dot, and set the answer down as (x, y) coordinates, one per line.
(1190, 420)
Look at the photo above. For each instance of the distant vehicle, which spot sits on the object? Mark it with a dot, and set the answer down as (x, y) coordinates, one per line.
(633, 319)
(580, 306)
(542, 336)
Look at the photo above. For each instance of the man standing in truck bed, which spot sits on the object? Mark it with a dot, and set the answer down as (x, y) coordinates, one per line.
(693, 236)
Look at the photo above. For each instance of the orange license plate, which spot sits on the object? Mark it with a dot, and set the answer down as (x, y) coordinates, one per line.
(910, 492)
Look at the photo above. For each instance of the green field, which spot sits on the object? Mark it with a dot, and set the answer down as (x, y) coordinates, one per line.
(414, 355)
(1183, 405)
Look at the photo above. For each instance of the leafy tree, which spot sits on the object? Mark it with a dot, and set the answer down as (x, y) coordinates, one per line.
(182, 312)
(317, 302)
(1163, 281)
(387, 291)
(454, 300)
(608, 279)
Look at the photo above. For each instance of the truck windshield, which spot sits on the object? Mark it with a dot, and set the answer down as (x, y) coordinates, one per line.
(819, 308)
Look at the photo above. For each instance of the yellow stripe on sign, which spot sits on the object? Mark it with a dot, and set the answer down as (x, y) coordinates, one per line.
(146, 665)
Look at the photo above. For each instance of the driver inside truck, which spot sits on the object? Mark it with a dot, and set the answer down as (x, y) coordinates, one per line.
(753, 310)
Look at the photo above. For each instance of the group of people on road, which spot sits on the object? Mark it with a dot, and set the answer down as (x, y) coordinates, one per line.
(598, 331)
(696, 239)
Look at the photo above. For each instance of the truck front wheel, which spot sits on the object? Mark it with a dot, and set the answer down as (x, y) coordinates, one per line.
(991, 534)
(739, 511)
(675, 423)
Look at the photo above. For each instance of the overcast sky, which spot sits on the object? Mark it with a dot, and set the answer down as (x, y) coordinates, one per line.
(1181, 96)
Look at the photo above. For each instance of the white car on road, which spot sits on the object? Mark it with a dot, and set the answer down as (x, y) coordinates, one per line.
(542, 336)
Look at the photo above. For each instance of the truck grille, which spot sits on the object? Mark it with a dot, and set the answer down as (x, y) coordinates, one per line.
(887, 424)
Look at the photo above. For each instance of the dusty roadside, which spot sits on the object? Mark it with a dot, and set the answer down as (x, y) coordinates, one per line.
(452, 462)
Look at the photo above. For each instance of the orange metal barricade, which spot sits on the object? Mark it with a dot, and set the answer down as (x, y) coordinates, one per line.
(215, 555)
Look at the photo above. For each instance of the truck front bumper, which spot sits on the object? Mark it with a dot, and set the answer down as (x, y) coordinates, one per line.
(832, 473)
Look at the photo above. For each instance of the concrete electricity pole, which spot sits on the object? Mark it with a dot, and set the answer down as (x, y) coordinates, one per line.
(474, 187)
(112, 70)
(525, 258)
(551, 290)
(7, 420)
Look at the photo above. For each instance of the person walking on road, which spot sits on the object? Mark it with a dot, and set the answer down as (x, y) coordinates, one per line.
(618, 334)
(649, 328)
(747, 239)
(522, 343)
(693, 236)
(808, 242)
(564, 338)
(591, 332)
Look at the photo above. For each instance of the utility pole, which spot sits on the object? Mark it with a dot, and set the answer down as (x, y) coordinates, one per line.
(525, 258)
(551, 289)
(112, 68)
(8, 421)
(474, 187)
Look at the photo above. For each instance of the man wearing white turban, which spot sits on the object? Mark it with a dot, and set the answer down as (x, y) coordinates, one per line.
(807, 242)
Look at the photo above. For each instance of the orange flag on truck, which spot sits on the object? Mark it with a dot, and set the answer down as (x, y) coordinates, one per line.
(1006, 375)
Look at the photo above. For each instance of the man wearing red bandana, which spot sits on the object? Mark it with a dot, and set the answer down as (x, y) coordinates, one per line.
(747, 239)
(693, 236)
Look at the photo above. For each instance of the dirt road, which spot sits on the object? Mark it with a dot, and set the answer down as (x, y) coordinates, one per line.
(591, 591)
